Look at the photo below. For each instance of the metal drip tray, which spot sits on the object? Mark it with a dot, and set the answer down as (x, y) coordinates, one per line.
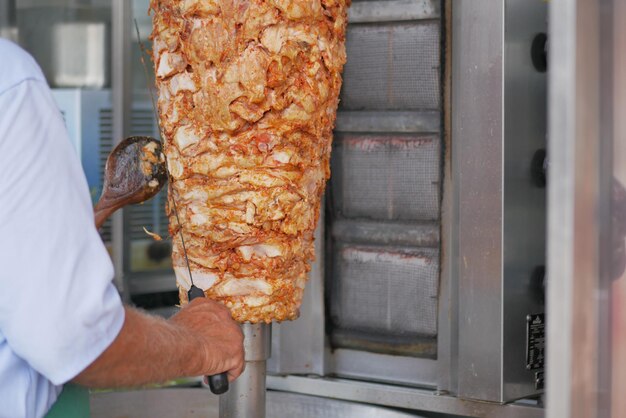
(193, 403)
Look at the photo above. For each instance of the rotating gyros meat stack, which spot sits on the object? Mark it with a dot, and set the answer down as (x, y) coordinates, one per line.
(248, 93)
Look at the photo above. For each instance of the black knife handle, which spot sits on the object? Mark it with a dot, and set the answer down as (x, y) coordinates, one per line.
(194, 293)
(218, 383)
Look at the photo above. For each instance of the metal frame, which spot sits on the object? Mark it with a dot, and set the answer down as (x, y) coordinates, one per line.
(447, 340)
(374, 367)
(498, 122)
(401, 397)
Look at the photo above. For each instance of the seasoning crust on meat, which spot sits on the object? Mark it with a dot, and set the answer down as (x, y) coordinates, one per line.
(248, 93)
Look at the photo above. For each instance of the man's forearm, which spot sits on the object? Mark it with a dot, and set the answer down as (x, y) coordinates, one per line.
(148, 349)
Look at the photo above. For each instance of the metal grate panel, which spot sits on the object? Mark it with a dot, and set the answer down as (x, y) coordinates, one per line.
(386, 177)
(392, 67)
(386, 291)
(384, 195)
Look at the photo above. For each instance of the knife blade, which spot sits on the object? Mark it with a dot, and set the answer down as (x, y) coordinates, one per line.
(218, 383)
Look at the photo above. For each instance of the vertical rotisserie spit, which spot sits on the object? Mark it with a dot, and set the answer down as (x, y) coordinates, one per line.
(248, 93)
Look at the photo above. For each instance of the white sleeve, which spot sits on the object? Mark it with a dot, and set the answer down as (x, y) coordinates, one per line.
(58, 307)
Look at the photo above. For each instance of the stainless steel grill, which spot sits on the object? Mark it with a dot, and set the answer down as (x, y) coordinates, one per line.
(386, 292)
(392, 67)
(388, 177)
(383, 279)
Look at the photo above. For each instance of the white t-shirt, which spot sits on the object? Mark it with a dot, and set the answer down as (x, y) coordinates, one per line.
(59, 309)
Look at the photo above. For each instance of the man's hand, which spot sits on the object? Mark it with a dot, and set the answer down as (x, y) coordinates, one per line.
(219, 335)
(201, 339)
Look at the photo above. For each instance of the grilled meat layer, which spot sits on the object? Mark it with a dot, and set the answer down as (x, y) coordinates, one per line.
(248, 93)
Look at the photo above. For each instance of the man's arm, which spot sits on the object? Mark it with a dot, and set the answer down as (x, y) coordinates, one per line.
(59, 310)
(202, 339)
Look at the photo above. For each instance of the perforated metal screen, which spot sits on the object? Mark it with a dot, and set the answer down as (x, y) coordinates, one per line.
(381, 291)
(392, 67)
(386, 291)
(389, 177)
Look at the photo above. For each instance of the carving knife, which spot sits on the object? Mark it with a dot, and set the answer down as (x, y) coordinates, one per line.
(218, 383)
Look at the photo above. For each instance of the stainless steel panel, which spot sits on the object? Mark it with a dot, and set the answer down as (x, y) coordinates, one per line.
(392, 67)
(498, 123)
(525, 213)
(376, 367)
(385, 291)
(402, 397)
(477, 125)
(392, 10)
(388, 177)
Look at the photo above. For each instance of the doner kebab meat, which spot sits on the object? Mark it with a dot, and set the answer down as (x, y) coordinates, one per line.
(248, 93)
